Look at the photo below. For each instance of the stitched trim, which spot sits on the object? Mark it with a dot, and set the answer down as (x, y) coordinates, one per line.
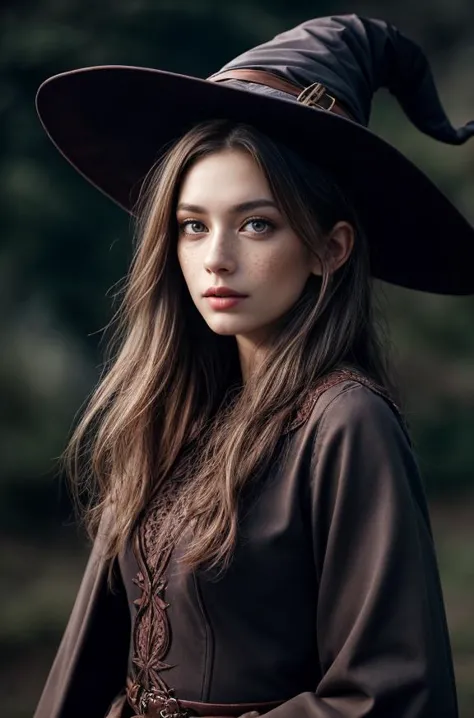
(327, 382)
(151, 630)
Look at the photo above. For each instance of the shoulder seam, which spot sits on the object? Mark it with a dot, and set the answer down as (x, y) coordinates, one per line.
(334, 378)
(355, 384)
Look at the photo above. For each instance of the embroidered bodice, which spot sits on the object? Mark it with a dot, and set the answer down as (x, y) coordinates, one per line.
(151, 627)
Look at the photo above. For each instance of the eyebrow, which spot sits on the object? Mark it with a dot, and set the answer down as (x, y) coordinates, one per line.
(242, 207)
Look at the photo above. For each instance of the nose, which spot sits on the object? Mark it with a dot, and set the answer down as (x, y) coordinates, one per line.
(220, 253)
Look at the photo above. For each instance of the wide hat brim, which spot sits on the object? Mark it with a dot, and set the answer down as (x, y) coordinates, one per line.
(112, 123)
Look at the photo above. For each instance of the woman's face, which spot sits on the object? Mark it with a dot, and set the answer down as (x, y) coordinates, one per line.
(231, 234)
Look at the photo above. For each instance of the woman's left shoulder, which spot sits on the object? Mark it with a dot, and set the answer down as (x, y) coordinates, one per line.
(359, 418)
(347, 398)
(354, 400)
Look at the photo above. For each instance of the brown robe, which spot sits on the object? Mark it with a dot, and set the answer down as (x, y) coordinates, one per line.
(332, 603)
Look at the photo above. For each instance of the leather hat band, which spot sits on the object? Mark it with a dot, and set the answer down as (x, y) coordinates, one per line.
(315, 95)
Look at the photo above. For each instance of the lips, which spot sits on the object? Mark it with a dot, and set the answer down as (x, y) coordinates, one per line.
(222, 292)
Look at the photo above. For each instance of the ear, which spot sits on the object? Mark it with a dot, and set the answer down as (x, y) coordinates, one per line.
(339, 245)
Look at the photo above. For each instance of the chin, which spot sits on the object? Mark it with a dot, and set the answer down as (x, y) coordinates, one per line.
(225, 327)
(224, 331)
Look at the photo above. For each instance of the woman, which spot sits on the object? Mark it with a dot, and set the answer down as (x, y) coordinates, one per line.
(262, 540)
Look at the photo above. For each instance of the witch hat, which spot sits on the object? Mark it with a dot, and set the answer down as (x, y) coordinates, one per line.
(311, 88)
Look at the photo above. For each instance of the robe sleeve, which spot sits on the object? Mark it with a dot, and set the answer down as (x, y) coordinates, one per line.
(381, 630)
(89, 670)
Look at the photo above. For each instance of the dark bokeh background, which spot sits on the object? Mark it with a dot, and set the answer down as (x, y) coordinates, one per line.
(63, 248)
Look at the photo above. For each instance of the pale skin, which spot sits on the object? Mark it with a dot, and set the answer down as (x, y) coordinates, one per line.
(231, 233)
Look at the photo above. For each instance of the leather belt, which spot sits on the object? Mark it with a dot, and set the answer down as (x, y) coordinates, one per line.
(157, 704)
(315, 95)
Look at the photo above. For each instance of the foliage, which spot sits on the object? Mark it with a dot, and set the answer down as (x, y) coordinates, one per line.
(64, 248)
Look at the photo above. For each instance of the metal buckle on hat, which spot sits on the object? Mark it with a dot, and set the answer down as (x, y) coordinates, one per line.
(314, 94)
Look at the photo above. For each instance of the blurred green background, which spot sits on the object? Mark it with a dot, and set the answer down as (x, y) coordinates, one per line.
(64, 247)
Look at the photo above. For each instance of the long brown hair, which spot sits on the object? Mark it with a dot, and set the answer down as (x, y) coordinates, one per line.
(171, 396)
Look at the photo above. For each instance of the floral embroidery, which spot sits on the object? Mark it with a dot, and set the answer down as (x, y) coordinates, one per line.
(151, 631)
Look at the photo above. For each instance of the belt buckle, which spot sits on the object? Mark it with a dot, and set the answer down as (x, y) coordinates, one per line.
(143, 698)
(170, 705)
(172, 709)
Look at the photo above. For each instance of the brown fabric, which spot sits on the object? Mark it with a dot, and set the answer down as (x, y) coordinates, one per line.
(161, 706)
(332, 603)
(336, 377)
(151, 633)
(151, 630)
(119, 707)
(91, 663)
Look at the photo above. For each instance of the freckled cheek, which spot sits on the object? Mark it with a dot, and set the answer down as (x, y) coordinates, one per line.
(188, 268)
(282, 269)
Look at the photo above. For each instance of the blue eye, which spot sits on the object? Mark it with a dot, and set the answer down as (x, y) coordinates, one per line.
(192, 226)
(259, 225)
